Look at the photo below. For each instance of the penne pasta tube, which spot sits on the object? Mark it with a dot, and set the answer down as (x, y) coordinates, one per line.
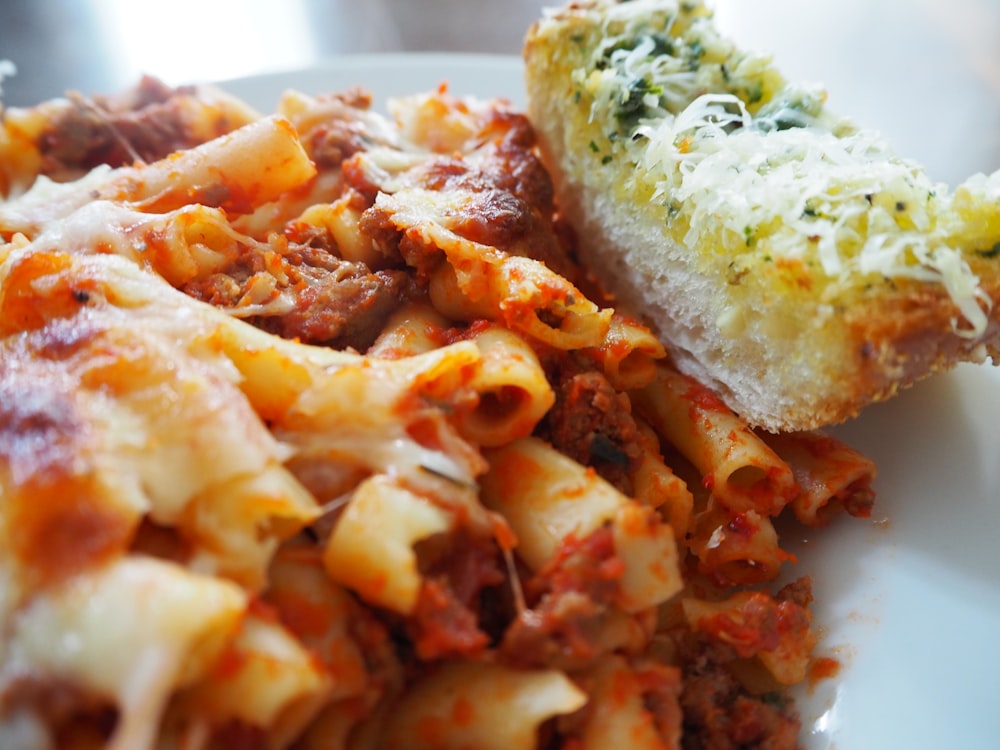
(545, 497)
(235, 172)
(655, 484)
(620, 712)
(450, 299)
(132, 632)
(513, 393)
(297, 211)
(548, 498)
(265, 679)
(340, 219)
(646, 547)
(413, 329)
(738, 468)
(628, 355)
(480, 281)
(736, 548)
(353, 646)
(371, 548)
(479, 705)
(756, 625)
(190, 242)
(832, 476)
(519, 296)
(234, 527)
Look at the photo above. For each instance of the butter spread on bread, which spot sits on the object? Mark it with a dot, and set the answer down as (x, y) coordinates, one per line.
(787, 257)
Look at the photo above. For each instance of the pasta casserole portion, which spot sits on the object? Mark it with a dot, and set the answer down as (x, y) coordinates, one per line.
(313, 434)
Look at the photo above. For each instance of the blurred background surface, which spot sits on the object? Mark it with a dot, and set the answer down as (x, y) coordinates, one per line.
(926, 72)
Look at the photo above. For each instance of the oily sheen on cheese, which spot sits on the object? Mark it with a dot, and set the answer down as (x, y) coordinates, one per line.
(308, 439)
(785, 255)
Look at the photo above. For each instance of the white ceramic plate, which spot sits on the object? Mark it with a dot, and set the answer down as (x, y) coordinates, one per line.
(910, 601)
(388, 75)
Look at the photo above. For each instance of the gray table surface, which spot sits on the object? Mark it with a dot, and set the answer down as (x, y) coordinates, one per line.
(103, 45)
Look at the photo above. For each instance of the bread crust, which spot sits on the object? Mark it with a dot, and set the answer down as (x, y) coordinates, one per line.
(799, 357)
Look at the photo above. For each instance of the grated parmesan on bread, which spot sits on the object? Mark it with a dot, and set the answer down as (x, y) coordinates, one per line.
(787, 258)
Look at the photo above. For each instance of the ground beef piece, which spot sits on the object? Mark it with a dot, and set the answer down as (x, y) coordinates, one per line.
(858, 499)
(720, 714)
(718, 717)
(238, 735)
(592, 423)
(330, 142)
(559, 632)
(67, 711)
(336, 302)
(441, 627)
(341, 310)
(567, 601)
(147, 122)
(377, 226)
(797, 592)
(458, 572)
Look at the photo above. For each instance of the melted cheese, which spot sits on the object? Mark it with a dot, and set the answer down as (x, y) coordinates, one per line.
(742, 161)
(129, 394)
(129, 633)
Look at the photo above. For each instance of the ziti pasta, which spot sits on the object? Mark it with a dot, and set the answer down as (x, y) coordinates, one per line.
(313, 435)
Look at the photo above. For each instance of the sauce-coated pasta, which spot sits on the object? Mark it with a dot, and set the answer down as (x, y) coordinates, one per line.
(310, 437)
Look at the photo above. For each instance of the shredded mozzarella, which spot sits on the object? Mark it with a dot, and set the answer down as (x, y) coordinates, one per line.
(757, 165)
